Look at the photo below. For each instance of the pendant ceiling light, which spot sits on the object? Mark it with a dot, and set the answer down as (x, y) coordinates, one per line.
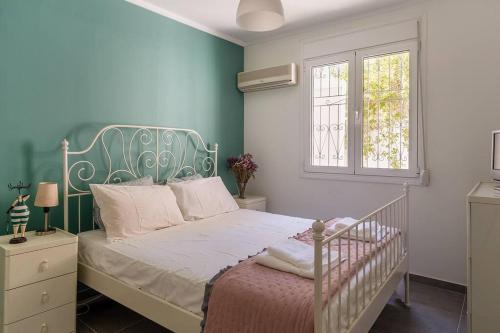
(260, 15)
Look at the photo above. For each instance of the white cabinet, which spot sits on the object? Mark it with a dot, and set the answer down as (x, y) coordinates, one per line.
(38, 283)
(253, 202)
(483, 254)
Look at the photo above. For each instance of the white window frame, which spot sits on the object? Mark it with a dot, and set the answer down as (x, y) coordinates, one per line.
(348, 57)
(355, 171)
(412, 171)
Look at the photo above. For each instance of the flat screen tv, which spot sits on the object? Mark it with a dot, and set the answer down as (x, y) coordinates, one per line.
(495, 155)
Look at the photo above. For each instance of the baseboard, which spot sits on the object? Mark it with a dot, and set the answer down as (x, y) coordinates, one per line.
(439, 283)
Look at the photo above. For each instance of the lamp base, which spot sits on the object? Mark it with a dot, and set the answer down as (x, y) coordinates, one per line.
(45, 232)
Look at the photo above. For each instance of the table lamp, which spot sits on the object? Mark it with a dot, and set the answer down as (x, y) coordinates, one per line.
(46, 196)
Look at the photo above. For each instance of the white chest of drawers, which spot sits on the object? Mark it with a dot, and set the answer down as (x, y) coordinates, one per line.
(38, 284)
(483, 251)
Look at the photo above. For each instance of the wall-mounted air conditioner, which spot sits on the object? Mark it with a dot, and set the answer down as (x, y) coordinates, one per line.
(268, 78)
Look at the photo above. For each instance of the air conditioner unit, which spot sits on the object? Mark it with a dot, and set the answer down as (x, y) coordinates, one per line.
(268, 78)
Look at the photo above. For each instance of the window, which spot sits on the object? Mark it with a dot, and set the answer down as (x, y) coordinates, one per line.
(329, 114)
(362, 112)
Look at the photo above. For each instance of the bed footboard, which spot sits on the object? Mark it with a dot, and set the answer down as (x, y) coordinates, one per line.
(371, 269)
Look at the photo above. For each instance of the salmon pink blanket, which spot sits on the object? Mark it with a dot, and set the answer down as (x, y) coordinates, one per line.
(250, 297)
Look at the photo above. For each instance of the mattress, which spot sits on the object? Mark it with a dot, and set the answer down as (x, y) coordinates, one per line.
(175, 263)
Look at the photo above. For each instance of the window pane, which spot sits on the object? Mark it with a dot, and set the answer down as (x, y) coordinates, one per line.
(329, 115)
(386, 99)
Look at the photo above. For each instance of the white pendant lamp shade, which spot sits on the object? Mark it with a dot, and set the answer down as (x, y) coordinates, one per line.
(260, 15)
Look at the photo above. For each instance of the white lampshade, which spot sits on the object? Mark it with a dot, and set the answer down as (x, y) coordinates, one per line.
(260, 15)
(47, 195)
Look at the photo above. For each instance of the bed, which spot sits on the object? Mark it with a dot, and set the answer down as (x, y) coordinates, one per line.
(162, 275)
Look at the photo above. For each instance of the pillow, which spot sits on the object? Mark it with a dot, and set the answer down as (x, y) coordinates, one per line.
(134, 210)
(202, 198)
(96, 211)
(181, 179)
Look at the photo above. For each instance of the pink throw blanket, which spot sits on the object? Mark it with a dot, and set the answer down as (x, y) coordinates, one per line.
(249, 297)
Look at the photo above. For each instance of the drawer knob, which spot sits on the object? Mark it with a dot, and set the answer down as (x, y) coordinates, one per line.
(44, 265)
(45, 297)
(44, 328)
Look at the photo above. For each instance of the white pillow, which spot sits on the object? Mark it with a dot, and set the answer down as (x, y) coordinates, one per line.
(96, 211)
(202, 198)
(133, 210)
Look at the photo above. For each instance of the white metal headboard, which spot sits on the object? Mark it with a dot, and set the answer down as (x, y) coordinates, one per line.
(165, 152)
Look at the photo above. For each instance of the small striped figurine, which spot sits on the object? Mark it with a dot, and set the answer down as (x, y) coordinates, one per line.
(19, 214)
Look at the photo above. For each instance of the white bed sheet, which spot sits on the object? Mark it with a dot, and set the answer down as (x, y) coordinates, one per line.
(176, 263)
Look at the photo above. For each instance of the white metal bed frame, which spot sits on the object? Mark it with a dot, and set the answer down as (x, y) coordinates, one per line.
(393, 266)
(159, 156)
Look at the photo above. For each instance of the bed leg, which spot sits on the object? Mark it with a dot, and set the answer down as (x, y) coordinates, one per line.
(407, 289)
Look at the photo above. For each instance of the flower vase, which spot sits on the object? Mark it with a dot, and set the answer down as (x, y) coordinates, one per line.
(241, 189)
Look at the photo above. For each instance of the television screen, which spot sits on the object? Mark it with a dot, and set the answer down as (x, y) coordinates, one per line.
(496, 151)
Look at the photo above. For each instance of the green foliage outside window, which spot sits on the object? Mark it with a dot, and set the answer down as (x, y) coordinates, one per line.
(385, 129)
(386, 111)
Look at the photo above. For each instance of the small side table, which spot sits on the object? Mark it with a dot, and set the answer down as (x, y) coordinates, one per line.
(38, 283)
(253, 202)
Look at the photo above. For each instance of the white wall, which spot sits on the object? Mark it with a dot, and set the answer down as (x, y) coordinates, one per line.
(462, 86)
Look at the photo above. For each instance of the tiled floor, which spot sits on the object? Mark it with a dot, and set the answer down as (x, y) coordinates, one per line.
(432, 310)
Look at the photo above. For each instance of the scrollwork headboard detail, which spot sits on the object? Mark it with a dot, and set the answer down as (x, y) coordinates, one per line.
(124, 152)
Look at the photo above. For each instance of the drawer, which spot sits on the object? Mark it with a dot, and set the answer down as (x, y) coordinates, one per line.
(31, 267)
(58, 320)
(23, 302)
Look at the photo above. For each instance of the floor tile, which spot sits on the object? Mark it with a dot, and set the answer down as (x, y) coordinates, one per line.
(146, 326)
(432, 310)
(83, 328)
(107, 316)
(462, 327)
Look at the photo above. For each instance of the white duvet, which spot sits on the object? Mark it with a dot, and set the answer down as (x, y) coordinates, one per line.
(175, 263)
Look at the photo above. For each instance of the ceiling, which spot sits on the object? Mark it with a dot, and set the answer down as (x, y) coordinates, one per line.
(218, 17)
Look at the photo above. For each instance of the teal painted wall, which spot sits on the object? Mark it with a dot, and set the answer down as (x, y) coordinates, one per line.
(70, 67)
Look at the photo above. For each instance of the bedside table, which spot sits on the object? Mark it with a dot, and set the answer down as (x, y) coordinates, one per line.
(38, 283)
(253, 202)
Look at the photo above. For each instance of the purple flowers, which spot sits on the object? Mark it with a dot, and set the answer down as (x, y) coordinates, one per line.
(243, 168)
(244, 163)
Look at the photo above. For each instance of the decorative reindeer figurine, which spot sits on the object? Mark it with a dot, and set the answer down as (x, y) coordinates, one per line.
(19, 213)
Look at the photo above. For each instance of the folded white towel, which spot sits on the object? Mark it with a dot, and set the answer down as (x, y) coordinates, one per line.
(268, 260)
(345, 222)
(295, 252)
(375, 234)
